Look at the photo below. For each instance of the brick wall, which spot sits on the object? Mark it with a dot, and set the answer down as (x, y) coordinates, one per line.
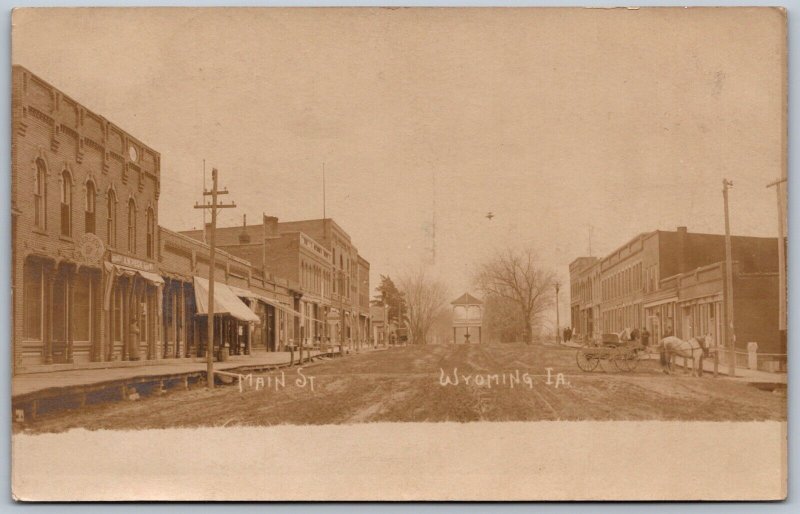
(50, 127)
(755, 306)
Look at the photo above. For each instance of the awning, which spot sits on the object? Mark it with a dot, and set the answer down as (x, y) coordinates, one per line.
(118, 270)
(280, 306)
(225, 301)
(121, 270)
(244, 293)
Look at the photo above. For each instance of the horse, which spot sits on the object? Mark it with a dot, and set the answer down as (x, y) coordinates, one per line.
(695, 349)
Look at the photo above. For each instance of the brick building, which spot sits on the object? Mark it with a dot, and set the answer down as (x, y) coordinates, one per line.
(84, 233)
(320, 257)
(584, 295)
(672, 282)
(95, 279)
(184, 260)
(364, 317)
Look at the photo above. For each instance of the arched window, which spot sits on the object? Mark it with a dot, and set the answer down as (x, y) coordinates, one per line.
(111, 219)
(151, 233)
(66, 204)
(131, 226)
(40, 195)
(90, 208)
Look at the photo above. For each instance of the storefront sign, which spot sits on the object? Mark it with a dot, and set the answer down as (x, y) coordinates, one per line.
(132, 262)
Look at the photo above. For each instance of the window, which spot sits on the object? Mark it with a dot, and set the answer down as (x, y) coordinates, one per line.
(151, 233)
(40, 195)
(116, 315)
(59, 312)
(66, 204)
(81, 316)
(111, 219)
(90, 208)
(32, 284)
(131, 226)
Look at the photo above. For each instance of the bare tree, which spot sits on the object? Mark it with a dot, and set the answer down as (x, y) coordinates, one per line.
(516, 276)
(425, 300)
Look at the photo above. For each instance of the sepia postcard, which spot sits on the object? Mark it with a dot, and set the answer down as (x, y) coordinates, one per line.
(399, 254)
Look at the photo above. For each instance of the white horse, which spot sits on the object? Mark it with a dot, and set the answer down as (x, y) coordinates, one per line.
(695, 349)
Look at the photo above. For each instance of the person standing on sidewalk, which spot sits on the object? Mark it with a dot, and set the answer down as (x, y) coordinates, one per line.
(133, 345)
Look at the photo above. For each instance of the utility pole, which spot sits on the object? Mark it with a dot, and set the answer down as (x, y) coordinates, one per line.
(214, 206)
(780, 186)
(558, 320)
(730, 335)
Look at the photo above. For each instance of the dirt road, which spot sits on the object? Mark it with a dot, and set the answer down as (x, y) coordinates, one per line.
(438, 383)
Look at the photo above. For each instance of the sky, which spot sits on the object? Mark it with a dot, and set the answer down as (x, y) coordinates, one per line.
(578, 129)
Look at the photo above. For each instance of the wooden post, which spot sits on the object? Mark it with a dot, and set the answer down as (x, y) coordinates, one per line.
(729, 326)
(214, 206)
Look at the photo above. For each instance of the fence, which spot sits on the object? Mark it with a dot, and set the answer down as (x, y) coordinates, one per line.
(773, 362)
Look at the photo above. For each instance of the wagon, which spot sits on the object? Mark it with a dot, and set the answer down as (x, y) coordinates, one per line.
(624, 354)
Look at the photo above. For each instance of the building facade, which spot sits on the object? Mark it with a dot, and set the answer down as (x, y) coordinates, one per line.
(84, 233)
(95, 279)
(185, 260)
(584, 296)
(320, 257)
(673, 283)
(364, 317)
(379, 322)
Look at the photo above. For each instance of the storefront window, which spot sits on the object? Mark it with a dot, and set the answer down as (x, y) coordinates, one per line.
(82, 308)
(33, 298)
(117, 315)
(60, 309)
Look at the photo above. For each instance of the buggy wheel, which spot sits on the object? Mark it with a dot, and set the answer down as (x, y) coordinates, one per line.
(626, 360)
(587, 360)
(633, 360)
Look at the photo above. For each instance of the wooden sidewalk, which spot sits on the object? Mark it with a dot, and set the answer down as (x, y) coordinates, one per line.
(34, 392)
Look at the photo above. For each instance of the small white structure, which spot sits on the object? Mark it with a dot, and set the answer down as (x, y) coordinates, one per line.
(467, 319)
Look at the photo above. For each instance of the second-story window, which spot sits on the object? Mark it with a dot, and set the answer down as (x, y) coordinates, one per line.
(131, 226)
(40, 195)
(111, 218)
(66, 204)
(151, 233)
(90, 208)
